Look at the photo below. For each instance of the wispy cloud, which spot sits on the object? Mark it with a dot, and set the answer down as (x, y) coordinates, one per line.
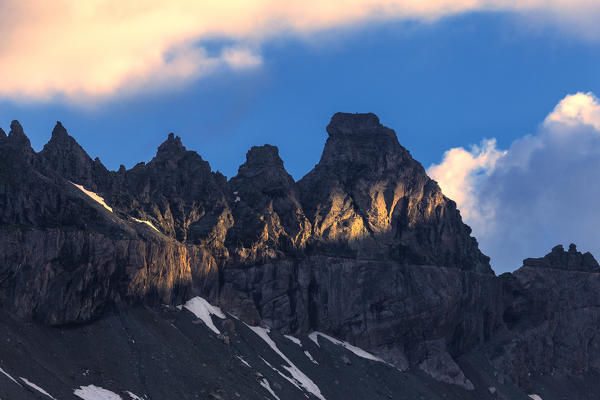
(96, 48)
(540, 192)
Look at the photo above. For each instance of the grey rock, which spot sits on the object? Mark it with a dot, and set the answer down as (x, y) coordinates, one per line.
(441, 366)
(553, 318)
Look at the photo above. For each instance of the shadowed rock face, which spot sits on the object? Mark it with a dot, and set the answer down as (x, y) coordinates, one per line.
(571, 260)
(365, 247)
(63, 155)
(270, 221)
(553, 317)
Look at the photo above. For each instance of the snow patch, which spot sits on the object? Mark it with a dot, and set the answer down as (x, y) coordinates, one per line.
(265, 383)
(310, 357)
(535, 397)
(36, 387)
(9, 377)
(133, 395)
(293, 339)
(203, 310)
(92, 392)
(237, 198)
(93, 196)
(244, 361)
(284, 376)
(141, 221)
(314, 336)
(294, 371)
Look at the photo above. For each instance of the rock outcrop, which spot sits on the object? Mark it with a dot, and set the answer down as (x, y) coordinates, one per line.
(552, 314)
(368, 197)
(64, 156)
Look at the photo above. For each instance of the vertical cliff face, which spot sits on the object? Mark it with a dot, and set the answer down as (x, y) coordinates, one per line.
(269, 219)
(553, 315)
(369, 197)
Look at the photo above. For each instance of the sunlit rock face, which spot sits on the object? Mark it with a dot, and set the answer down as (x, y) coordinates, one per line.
(369, 197)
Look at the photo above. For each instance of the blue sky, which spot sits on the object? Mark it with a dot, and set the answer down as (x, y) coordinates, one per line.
(442, 84)
(439, 85)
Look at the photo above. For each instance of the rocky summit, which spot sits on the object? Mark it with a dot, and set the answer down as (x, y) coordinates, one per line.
(359, 281)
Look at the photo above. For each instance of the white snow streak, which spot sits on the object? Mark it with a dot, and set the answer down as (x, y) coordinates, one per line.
(297, 375)
(9, 377)
(36, 387)
(203, 310)
(93, 196)
(284, 376)
(92, 392)
(133, 395)
(535, 397)
(244, 361)
(141, 221)
(310, 357)
(358, 351)
(293, 339)
(265, 383)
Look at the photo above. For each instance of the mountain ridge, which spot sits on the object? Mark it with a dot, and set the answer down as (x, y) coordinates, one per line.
(365, 247)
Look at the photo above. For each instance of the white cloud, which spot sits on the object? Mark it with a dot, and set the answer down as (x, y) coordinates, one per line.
(459, 172)
(575, 110)
(98, 48)
(540, 192)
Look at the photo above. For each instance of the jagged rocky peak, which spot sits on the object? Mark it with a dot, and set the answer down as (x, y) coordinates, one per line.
(264, 166)
(263, 156)
(348, 124)
(267, 212)
(170, 147)
(65, 156)
(17, 135)
(16, 147)
(571, 260)
(16, 130)
(60, 137)
(59, 132)
(369, 193)
(173, 155)
(362, 139)
(2, 134)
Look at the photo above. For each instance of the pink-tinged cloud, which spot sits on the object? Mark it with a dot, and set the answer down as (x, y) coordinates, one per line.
(540, 192)
(98, 48)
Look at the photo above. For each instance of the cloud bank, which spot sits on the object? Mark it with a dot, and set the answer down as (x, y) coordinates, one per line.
(98, 48)
(542, 191)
